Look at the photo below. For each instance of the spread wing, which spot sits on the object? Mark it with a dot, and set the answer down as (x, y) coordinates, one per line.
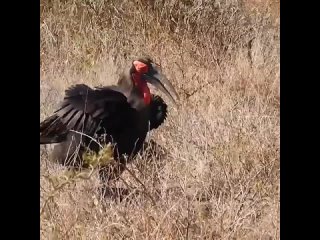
(85, 110)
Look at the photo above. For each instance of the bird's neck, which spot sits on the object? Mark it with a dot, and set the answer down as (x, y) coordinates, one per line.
(135, 89)
(142, 87)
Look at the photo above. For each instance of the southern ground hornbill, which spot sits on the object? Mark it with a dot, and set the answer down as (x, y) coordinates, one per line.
(121, 114)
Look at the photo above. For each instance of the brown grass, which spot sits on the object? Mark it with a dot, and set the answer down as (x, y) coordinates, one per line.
(218, 177)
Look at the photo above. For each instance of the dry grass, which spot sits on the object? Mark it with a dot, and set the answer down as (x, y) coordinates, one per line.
(219, 175)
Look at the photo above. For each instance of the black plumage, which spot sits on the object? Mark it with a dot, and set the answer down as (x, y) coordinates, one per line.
(120, 114)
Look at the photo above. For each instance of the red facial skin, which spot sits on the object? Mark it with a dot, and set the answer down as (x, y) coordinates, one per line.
(141, 84)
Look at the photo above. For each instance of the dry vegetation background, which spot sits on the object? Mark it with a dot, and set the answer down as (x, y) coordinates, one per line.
(218, 177)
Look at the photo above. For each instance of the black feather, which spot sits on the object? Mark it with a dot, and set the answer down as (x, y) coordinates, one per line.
(158, 112)
(83, 109)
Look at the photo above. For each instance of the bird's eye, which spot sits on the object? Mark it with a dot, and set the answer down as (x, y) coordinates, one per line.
(158, 65)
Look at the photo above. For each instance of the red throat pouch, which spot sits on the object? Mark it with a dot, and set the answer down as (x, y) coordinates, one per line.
(143, 87)
(146, 93)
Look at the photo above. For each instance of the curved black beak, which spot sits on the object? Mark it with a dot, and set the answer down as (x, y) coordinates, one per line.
(159, 80)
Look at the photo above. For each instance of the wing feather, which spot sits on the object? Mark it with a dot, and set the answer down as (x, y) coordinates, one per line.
(84, 108)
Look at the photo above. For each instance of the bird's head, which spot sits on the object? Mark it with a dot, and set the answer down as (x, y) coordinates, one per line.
(144, 71)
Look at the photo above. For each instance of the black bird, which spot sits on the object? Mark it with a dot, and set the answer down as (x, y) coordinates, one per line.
(121, 114)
